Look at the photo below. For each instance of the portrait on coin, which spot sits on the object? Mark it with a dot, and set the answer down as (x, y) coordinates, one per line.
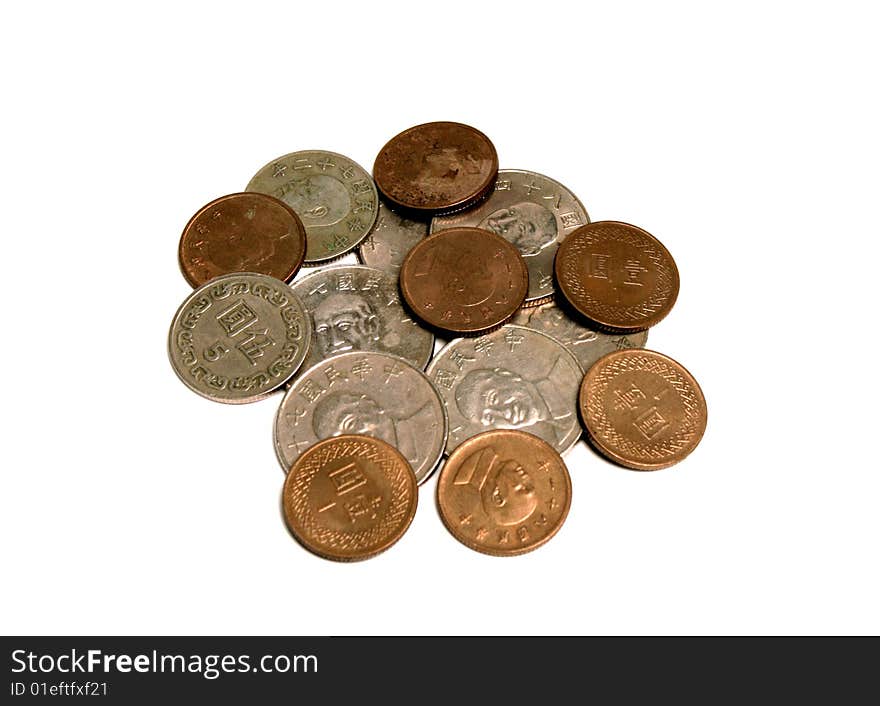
(498, 398)
(349, 413)
(445, 164)
(528, 226)
(506, 490)
(319, 199)
(345, 321)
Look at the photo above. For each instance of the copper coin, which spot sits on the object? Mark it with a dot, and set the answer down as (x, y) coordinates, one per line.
(436, 168)
(464, 281)
(642, 409)
(618, 276)
(244, 232)
(349, 497)
(504, 492)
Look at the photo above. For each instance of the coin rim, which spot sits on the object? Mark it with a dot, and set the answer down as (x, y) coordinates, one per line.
(604, 325)
(606, 450)
(469, 331)
(253, 398)
(486, 550)
(484, 190)
(580, 367)
(289, 391)
(189, 223)
(330, 258)
(391, 541)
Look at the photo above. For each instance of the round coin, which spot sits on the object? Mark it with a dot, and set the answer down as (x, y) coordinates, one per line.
(617, 275)
(238, 337)
(464, 280)
(504, 492)
(586, 344)
(642, 409)
(333, 196)
(363, 393)
(534, 213)
(436, 168)
(242, 233)
(349, 498)
(391, 239)
(512, 378)
(357, 308)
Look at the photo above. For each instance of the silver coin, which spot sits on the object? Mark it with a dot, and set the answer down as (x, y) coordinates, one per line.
(357, 308)
(512, 378)
(238, 337)
(586, 344)
(391, 239)
(533, 212)
(334, 197)
(363, 393)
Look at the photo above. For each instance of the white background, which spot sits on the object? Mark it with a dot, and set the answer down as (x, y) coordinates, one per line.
(745, 139)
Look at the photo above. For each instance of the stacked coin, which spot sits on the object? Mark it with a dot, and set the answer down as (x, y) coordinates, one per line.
(544, 315)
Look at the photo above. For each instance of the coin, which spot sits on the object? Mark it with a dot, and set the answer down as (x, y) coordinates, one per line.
(436, 168)
(391, 239)
(534, 213)
(586, 344)
(242, 233)
(642, 409)
(334, 197)
(464, 280)
(349, 498)
(617, 275)
(238, 337)
(357, 308)
(504, 492)
(512, 378)
(363, 393)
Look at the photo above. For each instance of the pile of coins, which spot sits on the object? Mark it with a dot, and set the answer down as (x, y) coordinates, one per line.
(547, 315)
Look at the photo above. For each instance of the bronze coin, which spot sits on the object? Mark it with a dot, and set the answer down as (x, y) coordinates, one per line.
(642, 409)
(464, 281)
(504, 492)
(618, 276)
(246, 232)
(349, 497)
(436, 168)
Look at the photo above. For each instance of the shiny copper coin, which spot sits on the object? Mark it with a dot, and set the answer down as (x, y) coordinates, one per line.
(642, 409)
(464, 280)
(618, 276)
(349, 497)
(504, 492)
(436, 168)
(244, 232)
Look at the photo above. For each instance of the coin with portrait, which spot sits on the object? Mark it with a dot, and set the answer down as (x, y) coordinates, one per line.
(238, 337)
(504, 492)
(349, 497)
(357, 308)
(363, 393)
(534, 213)
(512, 378)
(391, 238)
(587, 344)
(334, 197)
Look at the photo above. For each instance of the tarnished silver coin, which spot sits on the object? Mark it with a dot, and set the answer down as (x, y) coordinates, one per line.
(512, 378)
(533, 212)
(238, 337)
(334, 197)
(391, 239)
(357, 308)
(364, 393)
(586, 344)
